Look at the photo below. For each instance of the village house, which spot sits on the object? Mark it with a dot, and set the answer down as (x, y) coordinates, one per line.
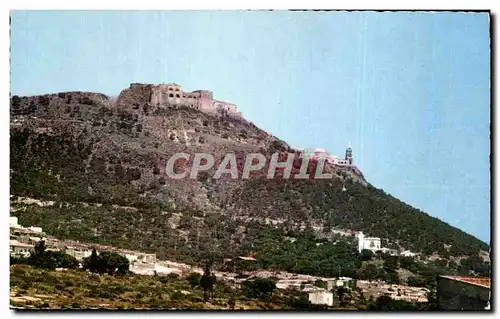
(18, 249)
(407, 253)
(368, 243)
(345, 282)
(319, 153)
(376, 289)
(374, 245)
(321, 298)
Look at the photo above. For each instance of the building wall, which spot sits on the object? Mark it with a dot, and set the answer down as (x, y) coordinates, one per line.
(166, 94)
(319, 152)
(321, 298)
(147, 258)
(342, 162)
(142, 269)
(36, 229)
(20, 251)
(13, 221)
(172, 94)
(79, 254)
(408, 253)
(454, 294)
(224, 106)
(206, 101)
(371, 243)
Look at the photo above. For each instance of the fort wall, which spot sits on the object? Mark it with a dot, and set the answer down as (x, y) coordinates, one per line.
(164, 95)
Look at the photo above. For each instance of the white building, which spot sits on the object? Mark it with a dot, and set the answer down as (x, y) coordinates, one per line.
(318, 153)
(392, 252)
(142, 269)
(14, 222)
(339, 282)
(408, 253)
(36, 229)
(374, 244)
(132, 258)
(20, 249)
(321, 298)
(370, 243)
(78, 252)
(165, 270)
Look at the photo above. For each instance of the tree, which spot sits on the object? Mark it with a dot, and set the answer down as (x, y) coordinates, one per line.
(93, 264)
(16, 100)
(18, 260)
(369, 272)
(207, 281)
(414, 281)
(39, 250)
(110, 263)
(432, 302)
(320, 283)
(300, 302)
(113, 263)
(406, 262)
(387, 303)
(476, 265)
(60, 259)
(391, 263)
(392, 277)
(259, 288)
(38, 259)
(366, 255)
(41, 258)
(340, 293)
(194, 279)
(231, 302)
(379, 254)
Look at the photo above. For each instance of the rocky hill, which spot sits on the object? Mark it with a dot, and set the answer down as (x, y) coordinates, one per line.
(102, 162)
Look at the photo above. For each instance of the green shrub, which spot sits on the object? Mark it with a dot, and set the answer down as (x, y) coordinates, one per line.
(110, 263)
(259, 288)
(177, 295)
(173, 275)
(194, 279)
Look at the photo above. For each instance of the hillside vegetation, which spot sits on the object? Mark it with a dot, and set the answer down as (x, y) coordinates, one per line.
(76, 148)
(76, 289)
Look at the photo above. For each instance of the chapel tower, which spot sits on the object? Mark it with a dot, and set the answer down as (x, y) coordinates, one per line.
(348, 155)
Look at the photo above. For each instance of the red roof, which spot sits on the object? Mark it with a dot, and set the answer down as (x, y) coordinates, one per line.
(15, 243)
(481, 281)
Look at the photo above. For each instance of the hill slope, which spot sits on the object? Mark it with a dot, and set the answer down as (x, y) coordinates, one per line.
(76, 148)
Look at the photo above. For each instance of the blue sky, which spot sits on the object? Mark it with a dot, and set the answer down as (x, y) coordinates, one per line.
(409, 91)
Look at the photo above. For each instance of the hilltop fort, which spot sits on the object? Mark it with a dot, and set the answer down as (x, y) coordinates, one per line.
(172, 95)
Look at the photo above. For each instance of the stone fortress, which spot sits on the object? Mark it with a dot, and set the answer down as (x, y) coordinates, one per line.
(172, 95)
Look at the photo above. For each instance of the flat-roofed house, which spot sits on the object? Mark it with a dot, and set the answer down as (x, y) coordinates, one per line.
(19, 249)
(321, 298)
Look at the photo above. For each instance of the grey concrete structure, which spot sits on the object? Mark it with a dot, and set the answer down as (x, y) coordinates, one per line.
(463, 293)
